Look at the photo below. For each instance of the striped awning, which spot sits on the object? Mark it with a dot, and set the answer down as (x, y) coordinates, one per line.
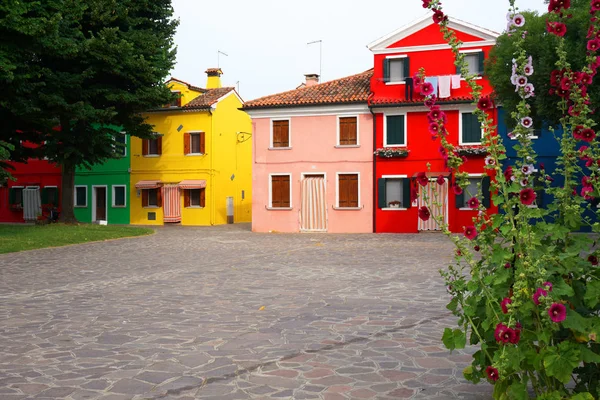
(147, 184)
(192, 184)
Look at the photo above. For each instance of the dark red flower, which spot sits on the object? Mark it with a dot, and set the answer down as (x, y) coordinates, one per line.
(504, 334)
(441, 180)
(508, 173)
(557, 312)
(527, 196)
(556, 5)
(492, 373)
(538, 293)
(438, 16)
(424, 213)
(565, 83)
(557, 28)
(593, 259)
(470, 232)
(504, 304)
(430, 102)
(507, 265)
(588, 134)
(595, 5)
(577, 132)
(476, 248)
(426, 3)
(426, 89)
(422, 179)
(484, 103)
(473, 202)
(592, 45)
(457, 190)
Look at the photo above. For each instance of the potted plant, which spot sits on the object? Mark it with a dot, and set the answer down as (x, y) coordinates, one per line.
(391, 152)
(394, 204)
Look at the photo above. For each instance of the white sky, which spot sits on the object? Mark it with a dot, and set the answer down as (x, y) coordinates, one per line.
(266, 40)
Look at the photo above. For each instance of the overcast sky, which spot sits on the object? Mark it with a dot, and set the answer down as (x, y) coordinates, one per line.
(266, 40)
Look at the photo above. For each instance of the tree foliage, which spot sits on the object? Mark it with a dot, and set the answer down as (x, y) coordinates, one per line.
(72, 70)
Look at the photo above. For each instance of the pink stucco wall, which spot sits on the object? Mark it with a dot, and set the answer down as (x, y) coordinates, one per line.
(313, 141)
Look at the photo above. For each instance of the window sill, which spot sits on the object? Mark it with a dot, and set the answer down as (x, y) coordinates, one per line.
(470, 144)
(394, 145)
(347, 208)
(80, 206)
(394, 209)
(123, 206)
(467, 209)
(280, 148)
(347, 146)
(152, 207)
(152, 155)
(195, 207)
(395, 83)
(195, 154)
(279, 208)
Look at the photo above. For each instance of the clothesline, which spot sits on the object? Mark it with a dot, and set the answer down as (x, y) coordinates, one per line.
(443, 84)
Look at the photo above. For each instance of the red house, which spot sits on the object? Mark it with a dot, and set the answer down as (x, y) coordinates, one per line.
(37, 190)
(403, 144)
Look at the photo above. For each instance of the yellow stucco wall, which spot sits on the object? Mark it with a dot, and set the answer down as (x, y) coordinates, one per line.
(225, 156)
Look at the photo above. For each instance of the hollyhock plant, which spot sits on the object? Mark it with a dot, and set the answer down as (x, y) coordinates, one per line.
(593, 259)
(424, 213)
(473, 202)
(504, 304)
(492, 373)
(426, 89)
(441, 180)
(484, 103)
(557, 312)
(470, 232)
(422, 179)
(527, 196)
(539, 293)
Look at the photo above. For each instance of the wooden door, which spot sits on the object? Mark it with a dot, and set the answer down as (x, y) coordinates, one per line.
(100, 204)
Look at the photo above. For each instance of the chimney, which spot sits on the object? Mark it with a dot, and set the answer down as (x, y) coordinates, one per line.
(312, 79)
(213, 80)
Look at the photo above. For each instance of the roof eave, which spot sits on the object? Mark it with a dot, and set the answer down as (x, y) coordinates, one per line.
(266, 107)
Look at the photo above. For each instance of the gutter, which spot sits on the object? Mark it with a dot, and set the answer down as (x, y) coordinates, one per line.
(375, 203)
(266, 107)
(396, 105)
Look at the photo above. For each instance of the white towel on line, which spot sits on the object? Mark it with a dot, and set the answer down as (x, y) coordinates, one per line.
(444, 86)
(455, 81)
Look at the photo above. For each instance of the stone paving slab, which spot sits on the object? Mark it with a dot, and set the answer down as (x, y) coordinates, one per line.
(224, 313)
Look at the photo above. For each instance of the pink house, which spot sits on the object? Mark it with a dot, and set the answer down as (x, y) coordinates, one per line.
(313, 158)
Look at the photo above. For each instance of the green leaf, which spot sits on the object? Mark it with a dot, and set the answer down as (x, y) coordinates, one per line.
(560, 288)
(518, 391)
(582, 396)
(592, 294)
(448, 339)
(460, 339)
(576, 322)
(560, 362)
(453, 305)
(588, 356)
(454, 339)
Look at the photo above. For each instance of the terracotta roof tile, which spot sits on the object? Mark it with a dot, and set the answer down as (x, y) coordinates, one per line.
(192, 87)
(351, 89)
(207, 99)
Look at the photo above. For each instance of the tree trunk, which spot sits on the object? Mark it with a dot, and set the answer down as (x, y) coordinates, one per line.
(67, 214)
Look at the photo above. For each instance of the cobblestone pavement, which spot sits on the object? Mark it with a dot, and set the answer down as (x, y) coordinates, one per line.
(223, 313)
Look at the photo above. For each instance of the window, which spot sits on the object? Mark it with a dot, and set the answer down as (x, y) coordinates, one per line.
(80, 196)
(348, 190)
(193, 143)
(474, 62)
(471, 131)
(120, 146)
(151, 198)
(177, 101)
(152, 147)
(472, 190)
(50, 196)
(395, 69)
(194, 198)
(395, 130)
(393, 192)
(348, 131)
(118, 196)
(16, 196)
(281, 133)
(280, 191)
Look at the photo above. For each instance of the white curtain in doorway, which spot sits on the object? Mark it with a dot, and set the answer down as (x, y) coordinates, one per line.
(435, 193)
(313, 214)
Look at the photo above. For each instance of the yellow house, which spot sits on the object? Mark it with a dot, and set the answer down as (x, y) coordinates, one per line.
(198, 170)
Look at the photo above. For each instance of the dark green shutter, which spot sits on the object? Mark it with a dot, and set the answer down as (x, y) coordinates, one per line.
(540, 190)
(406, 65)
(485, 189)
(406, 203)
(386, 70)
(459, 200)
(45, 196)
(481, 61)
(458, 70)
(471, 128)
(381, 192)
(12, 196)
(395, 130)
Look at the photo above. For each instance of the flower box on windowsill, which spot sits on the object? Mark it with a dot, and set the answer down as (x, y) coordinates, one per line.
(474, 151)
(391, 152)
(394, 204)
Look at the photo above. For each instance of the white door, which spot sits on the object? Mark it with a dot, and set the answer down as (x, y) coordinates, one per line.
(313, 211)
(435, 193)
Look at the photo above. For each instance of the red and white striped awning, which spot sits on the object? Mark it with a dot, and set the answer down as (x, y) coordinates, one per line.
(147, 184)
(192, 184)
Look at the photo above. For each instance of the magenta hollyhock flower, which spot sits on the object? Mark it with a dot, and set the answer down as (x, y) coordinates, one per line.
(557, 28)
(507, 265)
(592, 45)
(422, 179)
(526, 122)
(527, 196)
(473, 202)
(438, 16)
(457, 190)
(538, 293)
(557, 312)
(434, 128)
(565, 83)
(504, 304)
(517, 334)
(577, 132)
(430, 102)
(484, 103)
(443, 152)
(593, 259)
(417, 80)
(585, 192)
(492, 373)
(470, 232)
(548, 286)
(441, 180)
(426, 89)
(508, 173)
(595, 5)
(424, 213)
(588, 134)
(504, 334)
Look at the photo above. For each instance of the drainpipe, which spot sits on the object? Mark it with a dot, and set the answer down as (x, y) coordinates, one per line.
(212, 171)
(374, 161)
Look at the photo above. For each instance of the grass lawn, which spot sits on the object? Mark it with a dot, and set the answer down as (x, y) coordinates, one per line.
(28, 237)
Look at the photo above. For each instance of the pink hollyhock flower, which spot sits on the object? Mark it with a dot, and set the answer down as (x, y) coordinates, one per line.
(422, 179)
(557, 312)
(434, 128)
(424, 213)
(484, 103)
(441, 180)
(536, 296)
(529, 90)
(548, 286)
(592, 45)
(527, 169)
(595, 5)
(473, 202)
(521, 81)
(417, 80)
(430, 102)
(518, 20)
(489, 160)
(528, 70)
(585, 192)
(470, 232)
(527, 196)
(593, 259)
(492, 373)
(426, 89)
(557, 28)
(504, 304)
(526, 122)
(524, 182)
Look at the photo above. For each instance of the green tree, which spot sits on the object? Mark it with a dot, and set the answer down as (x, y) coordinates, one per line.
(76, 69)
(542, 47)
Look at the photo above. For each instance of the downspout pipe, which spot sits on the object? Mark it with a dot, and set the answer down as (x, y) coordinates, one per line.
(374, 161)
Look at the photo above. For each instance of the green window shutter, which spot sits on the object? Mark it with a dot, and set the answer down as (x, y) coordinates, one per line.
(381, 199)
(406, 65)
(395, 130)
(457, 70)
(12, 196)
(406, 193)
(386, 70)
(481, 62)
(471, 128)
(45, 196)
(459, 200)
(485, 189)
(539, 185)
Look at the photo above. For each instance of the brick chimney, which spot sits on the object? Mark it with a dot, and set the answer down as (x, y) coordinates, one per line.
(312, 79)
(213, 80)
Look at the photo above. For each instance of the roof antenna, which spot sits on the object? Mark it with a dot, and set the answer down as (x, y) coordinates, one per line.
(219, 52)
(320, 58)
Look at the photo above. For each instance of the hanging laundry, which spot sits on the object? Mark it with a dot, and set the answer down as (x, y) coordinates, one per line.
(444, 86)
(455, 81)
(408, 88)
(434, 82)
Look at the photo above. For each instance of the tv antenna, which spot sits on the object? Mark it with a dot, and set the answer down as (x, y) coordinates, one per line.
(219, 52)
(320, 57)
